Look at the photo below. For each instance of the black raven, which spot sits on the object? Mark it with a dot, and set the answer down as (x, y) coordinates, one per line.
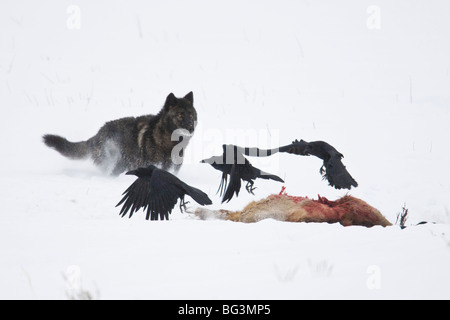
(233, 163)
(157, 191)
(332, 169)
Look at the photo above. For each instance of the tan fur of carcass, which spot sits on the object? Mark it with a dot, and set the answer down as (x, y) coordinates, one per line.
(347, 211)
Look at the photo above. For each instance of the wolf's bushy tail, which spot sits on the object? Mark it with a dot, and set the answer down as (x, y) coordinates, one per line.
(72, 150)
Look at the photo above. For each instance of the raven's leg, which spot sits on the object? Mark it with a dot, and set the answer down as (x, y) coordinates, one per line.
(250, 187)
(322, 169)
(183, 204)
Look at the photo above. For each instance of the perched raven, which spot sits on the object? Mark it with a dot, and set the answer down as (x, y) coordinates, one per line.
(233, 163)
(157, 191)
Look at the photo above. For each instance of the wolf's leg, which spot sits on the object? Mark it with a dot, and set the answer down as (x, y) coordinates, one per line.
(169, 165)
(109, 157)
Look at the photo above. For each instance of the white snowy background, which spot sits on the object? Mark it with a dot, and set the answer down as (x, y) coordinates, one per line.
(372, 78)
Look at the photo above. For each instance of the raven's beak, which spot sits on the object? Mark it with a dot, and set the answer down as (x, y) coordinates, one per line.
(210, 160)
(130, 173)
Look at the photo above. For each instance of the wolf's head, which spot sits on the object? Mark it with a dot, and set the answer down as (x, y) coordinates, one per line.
(179, 113)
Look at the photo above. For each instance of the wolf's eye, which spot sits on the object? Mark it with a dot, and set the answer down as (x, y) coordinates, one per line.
(180, 116)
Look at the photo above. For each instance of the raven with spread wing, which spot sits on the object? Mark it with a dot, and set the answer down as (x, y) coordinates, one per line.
(332, 169)
(157, 191)
(232, 163)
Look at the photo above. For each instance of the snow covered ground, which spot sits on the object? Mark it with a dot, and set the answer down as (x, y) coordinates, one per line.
(372, 78)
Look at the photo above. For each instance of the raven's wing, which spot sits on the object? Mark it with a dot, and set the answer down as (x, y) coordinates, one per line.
(157, 194)
(218, 163)
(246, 171)
(223, 184)
(165, 191)
(235, 182)
(337, 175)
(242, 169)
(335, 171)
(296, 147)
(135, 197)
(322, 150)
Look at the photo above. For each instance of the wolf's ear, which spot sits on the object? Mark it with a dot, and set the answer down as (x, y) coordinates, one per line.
(171, 100)
(190, 97)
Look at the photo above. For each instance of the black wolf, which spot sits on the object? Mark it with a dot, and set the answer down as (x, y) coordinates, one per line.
(130, 143)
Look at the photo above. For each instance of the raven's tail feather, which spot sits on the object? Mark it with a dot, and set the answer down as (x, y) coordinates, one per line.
(269, 176)
(199, 196)
(72, 150)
